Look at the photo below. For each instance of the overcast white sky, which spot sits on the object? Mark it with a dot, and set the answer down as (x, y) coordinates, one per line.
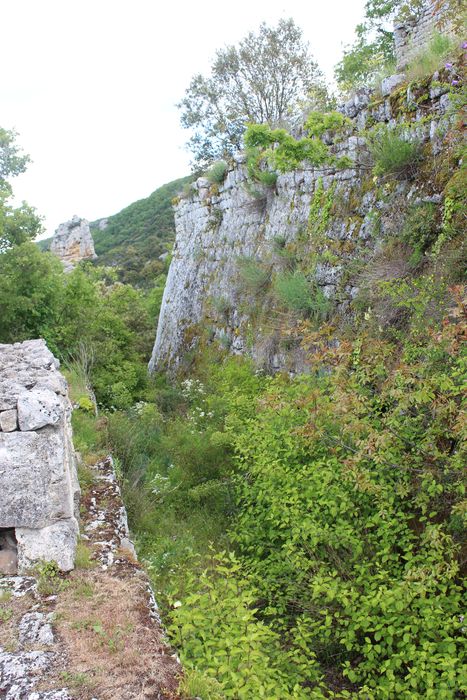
(91, 87)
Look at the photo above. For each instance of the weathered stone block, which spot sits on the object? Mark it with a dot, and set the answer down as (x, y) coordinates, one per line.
(38, 408)
(34, 479)
(9, 420)
(55, 542)
(39, 491)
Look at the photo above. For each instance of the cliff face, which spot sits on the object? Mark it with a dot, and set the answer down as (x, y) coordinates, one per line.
(326, 218)
(72, 242)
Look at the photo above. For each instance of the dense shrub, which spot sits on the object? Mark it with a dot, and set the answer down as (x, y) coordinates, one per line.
(421, 227)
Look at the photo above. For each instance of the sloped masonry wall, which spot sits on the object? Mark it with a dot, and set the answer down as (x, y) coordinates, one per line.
(217, 225)
(39, 491)
(410, 37)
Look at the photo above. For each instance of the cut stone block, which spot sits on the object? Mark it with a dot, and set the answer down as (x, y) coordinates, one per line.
(38, 408)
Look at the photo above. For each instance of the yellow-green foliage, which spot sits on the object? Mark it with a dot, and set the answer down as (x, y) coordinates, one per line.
(348, 519)
(283, 152)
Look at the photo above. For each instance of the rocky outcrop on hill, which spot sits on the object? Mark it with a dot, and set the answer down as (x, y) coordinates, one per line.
(73, 242)
(39, 492)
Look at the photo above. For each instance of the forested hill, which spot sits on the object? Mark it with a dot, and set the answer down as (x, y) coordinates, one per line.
(135, 237)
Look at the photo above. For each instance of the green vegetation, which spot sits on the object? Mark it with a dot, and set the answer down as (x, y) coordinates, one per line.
(217, 172)
(282, 152)
(300, 295)
(135, 237)
(254, 276)
(267, 79)
(373, 48)
(421, 227)
(335, 505)
(303, 532)
(394, 153)
(105, 327)
(440, 48)
(17, 224)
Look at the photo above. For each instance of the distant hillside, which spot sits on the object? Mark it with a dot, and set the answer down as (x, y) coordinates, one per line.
(134, 238)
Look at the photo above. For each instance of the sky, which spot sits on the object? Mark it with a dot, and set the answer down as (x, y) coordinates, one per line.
(91, 87)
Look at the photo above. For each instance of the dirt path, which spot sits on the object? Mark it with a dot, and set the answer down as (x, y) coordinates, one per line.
(94, 634)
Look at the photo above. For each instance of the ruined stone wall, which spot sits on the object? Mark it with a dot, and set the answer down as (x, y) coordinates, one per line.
(218, 225)
(39, 492)
(412, 36)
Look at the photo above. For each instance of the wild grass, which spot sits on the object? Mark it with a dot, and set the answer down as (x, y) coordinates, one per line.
(432, 57)
(255, 278)
(295, 291)
(394, 154)
(217, 172)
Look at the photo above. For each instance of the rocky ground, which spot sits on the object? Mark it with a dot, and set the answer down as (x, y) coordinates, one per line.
(95, 633)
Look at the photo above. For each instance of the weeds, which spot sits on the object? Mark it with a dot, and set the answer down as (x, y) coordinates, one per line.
(217, 172)
(49, 578)
(255, 278)
(394, 154)
(432, 57)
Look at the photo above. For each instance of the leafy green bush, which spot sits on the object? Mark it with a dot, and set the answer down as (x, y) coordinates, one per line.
(217, 631)
(318, 123)
(349, 485)
(254, 277)
(394, 154)
(217, 172)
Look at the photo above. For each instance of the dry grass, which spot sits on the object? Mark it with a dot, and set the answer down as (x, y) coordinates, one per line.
(104, 624)
(11, 612)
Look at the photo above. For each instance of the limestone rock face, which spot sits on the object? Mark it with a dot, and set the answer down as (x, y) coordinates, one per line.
(72, 242)
(39, 490)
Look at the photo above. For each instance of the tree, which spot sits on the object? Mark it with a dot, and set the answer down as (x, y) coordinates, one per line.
(19, 224)
(266, 79)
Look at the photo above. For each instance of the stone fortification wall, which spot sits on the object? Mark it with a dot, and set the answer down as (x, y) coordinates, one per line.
(218, 225)
(39, 492)
(412, 36)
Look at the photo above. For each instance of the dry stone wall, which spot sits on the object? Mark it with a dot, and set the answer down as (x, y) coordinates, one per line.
(218, 225)
(412, 36)
(39, 491)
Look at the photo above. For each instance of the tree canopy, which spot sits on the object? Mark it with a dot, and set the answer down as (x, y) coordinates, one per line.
(267, 78)
(17, 224)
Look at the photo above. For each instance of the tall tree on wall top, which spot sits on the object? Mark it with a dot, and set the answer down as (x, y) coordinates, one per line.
(265, 79)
